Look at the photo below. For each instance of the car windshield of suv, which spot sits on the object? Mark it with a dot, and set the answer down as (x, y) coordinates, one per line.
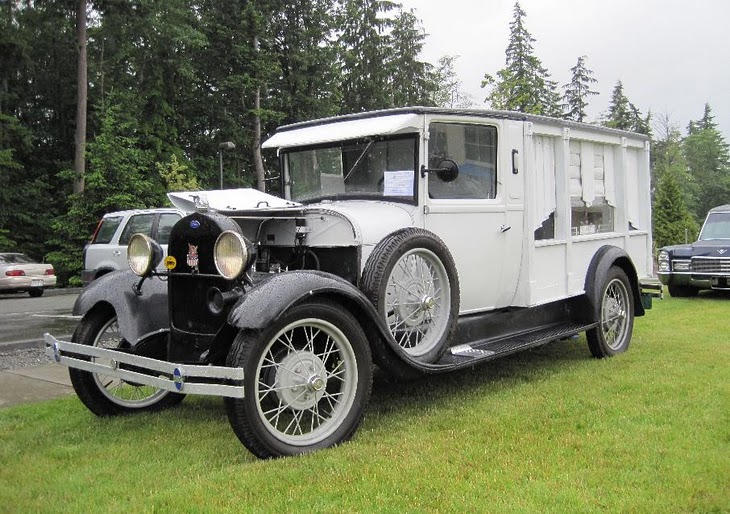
(372, 167)
(717, 226)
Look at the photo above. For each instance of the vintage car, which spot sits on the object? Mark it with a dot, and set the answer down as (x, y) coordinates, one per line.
(422, 240)
(705, 264)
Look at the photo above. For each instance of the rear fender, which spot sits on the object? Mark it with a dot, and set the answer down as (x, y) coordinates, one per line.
(604, 258)
(136, 315)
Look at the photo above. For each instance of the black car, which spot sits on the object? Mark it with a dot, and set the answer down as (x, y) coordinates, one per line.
(704, 264)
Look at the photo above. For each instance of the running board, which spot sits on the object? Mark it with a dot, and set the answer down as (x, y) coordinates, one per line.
(465, 355)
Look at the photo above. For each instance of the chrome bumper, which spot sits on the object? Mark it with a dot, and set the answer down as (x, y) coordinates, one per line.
(177, 378)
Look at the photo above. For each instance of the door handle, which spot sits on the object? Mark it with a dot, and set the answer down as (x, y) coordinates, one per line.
(505, 228)
(117, 253)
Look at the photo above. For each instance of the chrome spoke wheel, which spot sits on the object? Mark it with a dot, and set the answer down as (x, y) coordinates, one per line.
(614, 311)
(306, 381)
(417, 301)
(118, 391)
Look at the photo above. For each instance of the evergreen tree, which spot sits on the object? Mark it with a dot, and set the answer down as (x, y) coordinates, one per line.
(578, 90)
(364, 49)
(448, 91)
(523, 84)
(410, 78)
(672, 221)
(624, 115)
(708, 162)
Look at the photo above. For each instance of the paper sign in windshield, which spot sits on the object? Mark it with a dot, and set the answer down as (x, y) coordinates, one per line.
(398, 183)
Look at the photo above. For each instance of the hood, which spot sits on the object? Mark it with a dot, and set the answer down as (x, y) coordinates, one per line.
(243, 199)
(371, 220)
(708, 248)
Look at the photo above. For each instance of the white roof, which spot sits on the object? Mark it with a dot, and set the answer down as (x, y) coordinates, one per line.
(346, 129)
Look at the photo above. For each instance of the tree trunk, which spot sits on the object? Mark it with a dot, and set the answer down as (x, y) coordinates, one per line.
(81, 99)
(258, 162)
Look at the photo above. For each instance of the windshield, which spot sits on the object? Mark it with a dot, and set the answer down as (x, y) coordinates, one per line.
(372, 167)
(717, 226)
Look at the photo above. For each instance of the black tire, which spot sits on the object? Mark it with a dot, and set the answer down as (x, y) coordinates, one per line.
(104, 395)
(614, 304)
(318, 357)
(683, 291)
(36, 292)
(412, 281)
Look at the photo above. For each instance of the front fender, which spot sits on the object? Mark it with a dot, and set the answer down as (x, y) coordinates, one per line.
(268, 299)
(136, 315)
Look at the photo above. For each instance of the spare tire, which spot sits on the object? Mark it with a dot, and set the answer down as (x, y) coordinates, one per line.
(412, 281)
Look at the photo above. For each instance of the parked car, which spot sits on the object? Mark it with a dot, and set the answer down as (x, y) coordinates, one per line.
(21, 274)
(423, 240)
(705, 264)
(107, 250)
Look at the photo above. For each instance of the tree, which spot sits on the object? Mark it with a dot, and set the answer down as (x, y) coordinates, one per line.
(81, 99)
(708, 162)
(624, 115)
(672, 221)
(364, 48)
(523, 84)
(578, 90)
(410, 78)
(448, 91)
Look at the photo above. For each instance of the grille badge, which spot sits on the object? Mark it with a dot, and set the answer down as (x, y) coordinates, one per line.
(192, 257)
(721, 251)
(194, 224)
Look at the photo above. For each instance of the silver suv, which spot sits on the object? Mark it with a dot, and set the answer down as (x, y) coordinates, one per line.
(107, 250)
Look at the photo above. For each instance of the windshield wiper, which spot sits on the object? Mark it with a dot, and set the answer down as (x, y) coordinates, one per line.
(364, 152)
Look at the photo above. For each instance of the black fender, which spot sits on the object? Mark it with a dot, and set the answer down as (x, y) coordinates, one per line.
(271, 297)
(603, 259)
(137, 315)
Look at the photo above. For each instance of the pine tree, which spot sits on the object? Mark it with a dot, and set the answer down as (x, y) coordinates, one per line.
(410, 82)
(624, 115)
(578, 90)
(523, 84)
(708, 162)
(448, 91)
(672, 221)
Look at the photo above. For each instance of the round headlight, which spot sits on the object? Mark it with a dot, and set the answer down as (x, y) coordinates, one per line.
(663, 255)
(231, 254)
(142, 254)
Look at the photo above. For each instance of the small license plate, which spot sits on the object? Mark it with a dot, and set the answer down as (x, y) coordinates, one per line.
(36, 283)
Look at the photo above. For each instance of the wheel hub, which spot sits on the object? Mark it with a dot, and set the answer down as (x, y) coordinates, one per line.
(300, 380)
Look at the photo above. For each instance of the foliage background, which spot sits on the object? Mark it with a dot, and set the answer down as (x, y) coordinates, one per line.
(169, 80)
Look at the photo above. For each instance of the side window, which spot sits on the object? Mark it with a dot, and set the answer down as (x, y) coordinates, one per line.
(137, 223)
(474, 149)
(106, 230)
(167, 221)
(591, 188)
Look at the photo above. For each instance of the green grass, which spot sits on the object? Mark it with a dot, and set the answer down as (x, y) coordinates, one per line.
(551, 430)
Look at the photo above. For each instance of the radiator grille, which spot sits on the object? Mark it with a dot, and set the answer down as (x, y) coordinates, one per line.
(711, 266)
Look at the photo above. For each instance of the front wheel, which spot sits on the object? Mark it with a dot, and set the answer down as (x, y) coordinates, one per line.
(307, 380)
(105, 395)
(615, 315)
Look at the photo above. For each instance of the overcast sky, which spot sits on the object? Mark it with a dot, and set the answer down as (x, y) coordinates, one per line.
(672, 56)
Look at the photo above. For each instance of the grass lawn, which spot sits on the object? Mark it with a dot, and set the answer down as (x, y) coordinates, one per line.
(550, 430)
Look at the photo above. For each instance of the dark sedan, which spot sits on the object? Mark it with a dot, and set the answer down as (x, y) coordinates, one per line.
(704, 264)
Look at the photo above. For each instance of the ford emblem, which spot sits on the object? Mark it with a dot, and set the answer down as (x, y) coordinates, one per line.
(194, 224)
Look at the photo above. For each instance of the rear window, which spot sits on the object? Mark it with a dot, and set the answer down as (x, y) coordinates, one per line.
(167, 221)
(107, 229)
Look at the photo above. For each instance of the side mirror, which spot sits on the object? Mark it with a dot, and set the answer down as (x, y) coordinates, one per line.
(447, 170)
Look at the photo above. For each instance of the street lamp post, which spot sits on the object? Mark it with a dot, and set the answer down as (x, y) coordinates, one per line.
(228, 145)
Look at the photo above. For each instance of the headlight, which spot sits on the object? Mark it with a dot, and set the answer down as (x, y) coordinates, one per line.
(663, 265)
(231, 254)
(663, 255)
(143, 254)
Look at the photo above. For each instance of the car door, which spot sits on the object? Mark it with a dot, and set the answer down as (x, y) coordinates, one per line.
(478, 214)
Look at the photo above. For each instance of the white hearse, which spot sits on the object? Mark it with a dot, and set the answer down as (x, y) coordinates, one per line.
(425, 240)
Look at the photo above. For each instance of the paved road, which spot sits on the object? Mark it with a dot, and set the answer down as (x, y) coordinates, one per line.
(24, 320)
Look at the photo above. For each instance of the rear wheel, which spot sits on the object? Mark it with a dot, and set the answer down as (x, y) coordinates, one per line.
(307, 380)
(105, 395)
(615, 315)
